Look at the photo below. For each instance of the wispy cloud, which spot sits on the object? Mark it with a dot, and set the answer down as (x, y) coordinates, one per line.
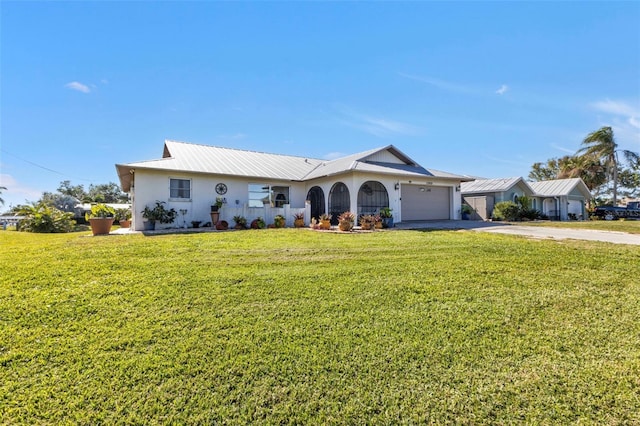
(376, 126)
(616, 108)
(74, 85)
(16, 192)
(623, 117)
(441, 84)
(563, 149)
(502, 90)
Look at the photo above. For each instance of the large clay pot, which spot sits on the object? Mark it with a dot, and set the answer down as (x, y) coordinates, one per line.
(345, 225)
(101, 225)
(325, 224)
(125, 223)
(215, 218)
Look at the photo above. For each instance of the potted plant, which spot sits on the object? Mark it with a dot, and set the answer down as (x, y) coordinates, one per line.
(346, 221)
(101, 219)
(298, 220)
(241, 222)
(367, 222)
(196, 223)
(258, 223)
(387, 217)
(279, 221)
(123, 216)
(222, 225)
(377, 221)
(325, 221)
(466, 211)
(215, 214)
(157, 214)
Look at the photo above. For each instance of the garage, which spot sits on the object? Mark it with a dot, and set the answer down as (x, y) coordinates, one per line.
(425, 202)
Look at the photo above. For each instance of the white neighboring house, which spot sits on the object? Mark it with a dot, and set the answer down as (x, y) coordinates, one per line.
(255, 184)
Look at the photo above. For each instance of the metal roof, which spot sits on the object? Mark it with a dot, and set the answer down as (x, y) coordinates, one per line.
(490, 185)
(558, 187)
(194, 158)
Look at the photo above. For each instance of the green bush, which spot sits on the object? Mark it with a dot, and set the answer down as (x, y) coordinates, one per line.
(510, 211)
(45, 219)
(506, 210)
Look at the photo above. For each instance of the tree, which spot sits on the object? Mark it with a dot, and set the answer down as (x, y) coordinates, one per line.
(601, 145)
(2, 188)
(76, 192)
(107, 193)
(540, 171)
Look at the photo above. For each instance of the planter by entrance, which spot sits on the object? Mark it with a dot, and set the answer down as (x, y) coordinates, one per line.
(101, 225)
(125, 223)
(215, 217)
(150, 225)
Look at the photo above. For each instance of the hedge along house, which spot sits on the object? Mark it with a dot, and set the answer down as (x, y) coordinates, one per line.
(559, 199)
(254, 184)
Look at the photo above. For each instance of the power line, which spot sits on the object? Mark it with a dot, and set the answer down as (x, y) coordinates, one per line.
(45, 168)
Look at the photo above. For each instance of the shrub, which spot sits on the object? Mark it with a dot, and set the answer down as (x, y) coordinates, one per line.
(45, 219)
(510, 211)
(506, 210)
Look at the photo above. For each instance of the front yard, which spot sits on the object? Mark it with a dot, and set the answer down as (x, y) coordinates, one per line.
(292, 326)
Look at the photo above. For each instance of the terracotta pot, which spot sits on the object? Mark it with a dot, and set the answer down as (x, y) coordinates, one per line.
(298, 223)
(101, 225)
(378, 225)
(365, 226)
(125, 223)
(325, 224)
(345, 225)
(215, 217)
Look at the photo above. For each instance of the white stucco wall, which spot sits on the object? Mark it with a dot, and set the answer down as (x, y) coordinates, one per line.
(150, 186)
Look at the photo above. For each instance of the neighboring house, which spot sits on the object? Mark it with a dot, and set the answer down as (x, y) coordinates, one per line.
(562, 199)
(559, 199)
(483, 194)
(255, 184)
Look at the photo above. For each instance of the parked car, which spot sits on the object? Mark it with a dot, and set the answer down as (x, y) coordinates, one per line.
(632, 211)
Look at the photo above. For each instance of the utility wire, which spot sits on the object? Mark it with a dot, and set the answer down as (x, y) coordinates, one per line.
(45, 168)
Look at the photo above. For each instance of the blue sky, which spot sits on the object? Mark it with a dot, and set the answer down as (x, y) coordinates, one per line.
(477, 88)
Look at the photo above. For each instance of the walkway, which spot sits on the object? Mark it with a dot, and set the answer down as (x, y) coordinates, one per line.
(528, 231)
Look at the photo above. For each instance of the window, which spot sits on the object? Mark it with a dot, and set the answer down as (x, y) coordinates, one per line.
(261, 194)
(180, 188)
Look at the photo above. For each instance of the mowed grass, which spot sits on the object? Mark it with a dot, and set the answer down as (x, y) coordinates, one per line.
(629, 226)
(301, 327)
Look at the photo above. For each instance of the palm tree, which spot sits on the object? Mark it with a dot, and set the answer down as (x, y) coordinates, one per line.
(601, 145)
(2, 188)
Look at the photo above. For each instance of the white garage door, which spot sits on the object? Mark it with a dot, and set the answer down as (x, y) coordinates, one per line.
(425, 202)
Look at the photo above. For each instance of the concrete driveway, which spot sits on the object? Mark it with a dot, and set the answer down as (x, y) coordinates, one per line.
(528, 231)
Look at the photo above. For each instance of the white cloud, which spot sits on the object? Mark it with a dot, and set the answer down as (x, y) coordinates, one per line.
(441, 84)
(16, 193)
(563, 149)
(623, 117)
(502, 90)
(376, 126)
(74, 85)
(616, 108)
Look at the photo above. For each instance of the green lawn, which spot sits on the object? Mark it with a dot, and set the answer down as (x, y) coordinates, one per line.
(630, 226)
(301, 327)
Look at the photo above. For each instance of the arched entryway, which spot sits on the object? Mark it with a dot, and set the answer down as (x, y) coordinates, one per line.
(316, 199)
(372, 196)
(339, 201)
